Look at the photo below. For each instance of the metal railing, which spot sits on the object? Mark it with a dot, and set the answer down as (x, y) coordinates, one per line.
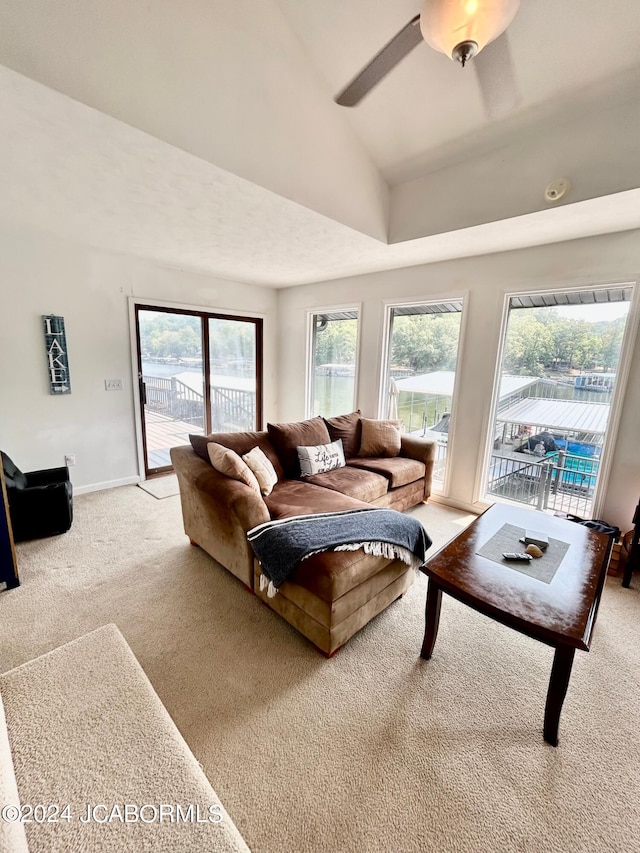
(559, 481)
(232, 409)
(168, 396)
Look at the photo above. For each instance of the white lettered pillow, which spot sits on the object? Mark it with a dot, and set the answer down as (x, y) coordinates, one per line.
(263, 469)
(320, 458)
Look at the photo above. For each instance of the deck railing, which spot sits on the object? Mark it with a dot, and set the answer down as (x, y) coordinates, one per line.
(168, 396)
(560, 481)
(233, 409)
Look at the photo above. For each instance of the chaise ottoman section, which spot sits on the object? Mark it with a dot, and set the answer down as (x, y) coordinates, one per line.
(329, 597)
(332, 595)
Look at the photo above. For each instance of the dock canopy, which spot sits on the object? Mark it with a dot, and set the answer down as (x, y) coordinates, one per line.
(441, 382)
(559, 415)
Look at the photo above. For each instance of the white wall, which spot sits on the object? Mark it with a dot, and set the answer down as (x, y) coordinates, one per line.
(505, 175)
(90, 289)
(485, 280)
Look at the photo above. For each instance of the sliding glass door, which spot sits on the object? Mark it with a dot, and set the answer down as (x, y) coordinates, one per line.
(197, 373)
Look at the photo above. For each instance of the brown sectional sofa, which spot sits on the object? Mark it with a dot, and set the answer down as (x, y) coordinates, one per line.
(331, 595)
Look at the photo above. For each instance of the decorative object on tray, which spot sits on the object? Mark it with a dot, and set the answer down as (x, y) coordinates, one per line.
(508, 539)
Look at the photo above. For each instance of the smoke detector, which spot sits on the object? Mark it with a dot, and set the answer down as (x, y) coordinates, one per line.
(557, 190)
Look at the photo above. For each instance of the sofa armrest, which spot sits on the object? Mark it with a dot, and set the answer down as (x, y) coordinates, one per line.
(424, 450)
(217, 512)
(232, 500)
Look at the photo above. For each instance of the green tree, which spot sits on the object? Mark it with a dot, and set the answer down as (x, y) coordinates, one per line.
(529, 344)
(425, 342)
(336, 344)
(567, 336)
(611, 340)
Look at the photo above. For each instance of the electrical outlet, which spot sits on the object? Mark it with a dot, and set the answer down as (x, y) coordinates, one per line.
(113, 384)
(70, 459)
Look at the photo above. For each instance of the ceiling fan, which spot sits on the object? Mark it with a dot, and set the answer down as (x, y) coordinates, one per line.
(463, 29)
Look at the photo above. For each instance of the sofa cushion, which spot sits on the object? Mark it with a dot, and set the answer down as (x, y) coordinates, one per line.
(398, 470)
(347, 428)
(353, 482)
(264, 471)
(287, 438)
(295, 497)
(331, 574)
(240, 442)
(380, 438)
(320, 458)
(227, 462)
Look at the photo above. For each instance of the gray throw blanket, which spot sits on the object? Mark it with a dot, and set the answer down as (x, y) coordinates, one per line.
(280, 545)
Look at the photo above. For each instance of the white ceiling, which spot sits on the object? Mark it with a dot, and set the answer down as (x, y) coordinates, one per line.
(560, 48)
(204, 135)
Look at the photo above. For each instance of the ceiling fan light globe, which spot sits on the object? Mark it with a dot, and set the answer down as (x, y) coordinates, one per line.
(445, 24)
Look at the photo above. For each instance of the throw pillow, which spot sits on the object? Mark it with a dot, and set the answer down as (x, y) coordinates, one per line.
(288, 437)
(380, 438)
(263, 469)
(348, 429)
(228, 462)
(321, 458)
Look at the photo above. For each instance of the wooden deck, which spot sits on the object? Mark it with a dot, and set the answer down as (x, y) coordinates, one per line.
(163, 433)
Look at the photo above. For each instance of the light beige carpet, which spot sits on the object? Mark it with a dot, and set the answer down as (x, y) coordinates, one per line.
(373, 750)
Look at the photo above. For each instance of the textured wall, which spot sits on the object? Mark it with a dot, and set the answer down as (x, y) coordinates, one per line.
(90, 289)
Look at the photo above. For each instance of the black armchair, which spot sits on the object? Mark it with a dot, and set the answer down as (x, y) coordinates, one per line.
(40, 502)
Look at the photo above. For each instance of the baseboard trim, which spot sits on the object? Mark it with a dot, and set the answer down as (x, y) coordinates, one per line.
(109, 484)
(475, 509)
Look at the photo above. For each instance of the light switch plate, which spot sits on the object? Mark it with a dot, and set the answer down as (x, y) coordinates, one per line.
(113, 384)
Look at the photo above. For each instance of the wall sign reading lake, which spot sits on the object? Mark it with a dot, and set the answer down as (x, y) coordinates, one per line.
(57, 362)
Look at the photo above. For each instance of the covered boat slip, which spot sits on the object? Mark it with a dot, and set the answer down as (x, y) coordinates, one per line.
(559, 416)
(440, 383)
(558, 479)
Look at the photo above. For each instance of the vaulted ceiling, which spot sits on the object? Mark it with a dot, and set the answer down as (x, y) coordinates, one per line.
(204, 134)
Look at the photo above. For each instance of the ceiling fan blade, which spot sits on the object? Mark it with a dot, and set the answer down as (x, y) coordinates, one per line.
(381, 64)
(496, 76)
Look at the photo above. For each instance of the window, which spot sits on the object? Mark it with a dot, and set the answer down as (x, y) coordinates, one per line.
(333, 363)
(420, 372)
(560, 360)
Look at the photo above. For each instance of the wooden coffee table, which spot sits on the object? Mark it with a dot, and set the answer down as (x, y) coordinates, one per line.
(559, 611)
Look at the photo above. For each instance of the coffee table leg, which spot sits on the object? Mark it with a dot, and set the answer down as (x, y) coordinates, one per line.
(558, 683)
(432, 618)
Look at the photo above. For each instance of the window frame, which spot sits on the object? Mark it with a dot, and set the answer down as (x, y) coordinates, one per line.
(205, 312)
(436, 299)
(623, 373)
(310, 355)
